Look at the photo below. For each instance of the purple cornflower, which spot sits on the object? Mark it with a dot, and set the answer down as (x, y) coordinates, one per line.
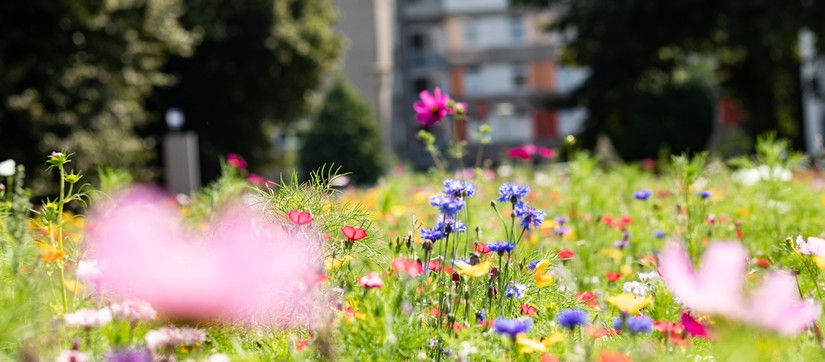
(705, 194)
(561, 230)
(501, 247)
(447, 205)
(515, 291)
(637, 324)
(532, 264)
(513, 194)
(621, 244)
(642, 194)
(513, 327)
(659, 234)
(450, 225)
(561, 220)
(433, 234)
(571, 318)
(458, 189)
(530, 216)
(130, 355)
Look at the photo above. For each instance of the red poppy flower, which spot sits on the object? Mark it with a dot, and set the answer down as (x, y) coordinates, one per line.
(566, 254)
(353, 233)
(588, 298)
(613, 276)
(481, 248)
(300, 344)
(597, 332)
(408, 267)
(527, 309)
(763, 263)
(300, 217)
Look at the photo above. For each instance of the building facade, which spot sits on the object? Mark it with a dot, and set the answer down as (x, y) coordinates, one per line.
(496, 58)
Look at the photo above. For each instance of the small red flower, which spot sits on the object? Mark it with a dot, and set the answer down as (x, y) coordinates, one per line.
(566, 254)
(256, 180)
(300, 217)
(588, 298)
(481, 248)
(613, 356)
(597, 332)
(763, 263)
(353, 233)
(408, 267)
(300, 344)
(235, 161)
(613, 276)
(527, 309)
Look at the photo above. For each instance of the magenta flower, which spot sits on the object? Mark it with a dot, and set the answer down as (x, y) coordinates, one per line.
(371, 281)
(527, 152)
(718, 289)
(432, 108)
(235, 161)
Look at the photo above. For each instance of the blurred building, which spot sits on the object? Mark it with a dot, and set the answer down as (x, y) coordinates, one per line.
(367, 63)
(496, 58)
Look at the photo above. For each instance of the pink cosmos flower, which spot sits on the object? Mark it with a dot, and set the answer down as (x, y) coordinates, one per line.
(134, 311)
(245, 268)
(256, 180)
(718, 289)
(73, 356)
(432, 108)
(813, 246)
(171, 336)
(370, 281)
(527, 152)
(235, 161)
(88, 318)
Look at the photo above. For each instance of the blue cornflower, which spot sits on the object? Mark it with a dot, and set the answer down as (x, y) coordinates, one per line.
(642, 194)
(532, 264)
(481, 315)
(458, 189)
(512, 193)
(659, 234)
(516, 291)
(637, 324)
(705, 194)
(513, 327)
(621, 244)
(501, 247)
(130, 355)
(447, 205)
(433, 234)
(530, 216)
(450, 225)
(572, 318)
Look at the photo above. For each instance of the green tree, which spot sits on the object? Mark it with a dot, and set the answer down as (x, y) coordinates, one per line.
(345, 133)
(74, 75)
(257, 67)
(753, 43)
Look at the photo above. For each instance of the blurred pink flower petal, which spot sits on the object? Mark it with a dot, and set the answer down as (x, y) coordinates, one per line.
(718, 289)
(245, 268)
(527, 152)
(693, 326)
(811, 246)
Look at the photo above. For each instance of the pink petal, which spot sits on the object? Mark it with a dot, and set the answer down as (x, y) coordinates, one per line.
(776, 305)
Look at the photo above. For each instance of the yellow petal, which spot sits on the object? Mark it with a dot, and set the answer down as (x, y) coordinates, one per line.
(529, 345)
(820, 261)
(473, 271)
(73, 285)
(626, 270)
(49, 253)
(553, 339)
(629, 302)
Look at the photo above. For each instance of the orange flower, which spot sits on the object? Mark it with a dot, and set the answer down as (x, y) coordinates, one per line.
(49, 253)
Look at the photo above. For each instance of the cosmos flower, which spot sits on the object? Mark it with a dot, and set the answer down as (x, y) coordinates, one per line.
(432, 107)
(171, 336)
(133, 311)
(717, 288)
(811, 246)
(88, 318)
(73, 356)
(572, 318)
(371, 281)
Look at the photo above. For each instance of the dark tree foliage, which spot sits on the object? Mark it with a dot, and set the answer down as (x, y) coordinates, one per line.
(257, 66)
(345, 133)
(754, 42)
(74, 75)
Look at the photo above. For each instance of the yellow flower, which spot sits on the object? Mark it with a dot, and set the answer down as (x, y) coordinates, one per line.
(49, 253)
(626, 269)
(531, 345)
(615, 254)
(629, 302)
(473, 271)
(820, 261)
(542, 279)
(73, 286)
(334, 264)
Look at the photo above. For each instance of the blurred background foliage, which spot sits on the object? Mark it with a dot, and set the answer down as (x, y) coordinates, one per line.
(95, 77)
(752, 46)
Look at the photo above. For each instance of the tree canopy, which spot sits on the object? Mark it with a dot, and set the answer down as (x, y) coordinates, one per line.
(628, 45)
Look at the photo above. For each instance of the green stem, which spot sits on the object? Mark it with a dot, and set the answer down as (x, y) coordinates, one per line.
(61, 263)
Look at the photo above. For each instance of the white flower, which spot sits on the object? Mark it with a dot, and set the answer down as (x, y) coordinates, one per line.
(87, 271)
(636, 288)
(89, 318)
(218, 357)
(134, 311)
(171, 337)
(648, 277)
(72, 356)
(7, 168)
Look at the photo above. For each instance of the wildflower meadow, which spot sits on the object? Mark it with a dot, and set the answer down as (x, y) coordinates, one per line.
(686, 258)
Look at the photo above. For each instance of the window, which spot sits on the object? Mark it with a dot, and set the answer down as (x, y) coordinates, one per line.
(520, 76)
(517, 32)
(470, 33)
(472, 80)
(420, 84)
(417, 42)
